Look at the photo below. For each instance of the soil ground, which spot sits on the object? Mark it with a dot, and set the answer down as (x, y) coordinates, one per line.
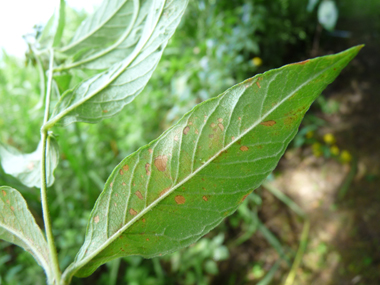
(341, 200)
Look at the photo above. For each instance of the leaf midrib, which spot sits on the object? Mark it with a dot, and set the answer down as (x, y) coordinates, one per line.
(85, 260)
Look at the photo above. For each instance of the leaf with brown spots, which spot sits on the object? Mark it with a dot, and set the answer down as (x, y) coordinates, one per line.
(194, 182)
(17, 226)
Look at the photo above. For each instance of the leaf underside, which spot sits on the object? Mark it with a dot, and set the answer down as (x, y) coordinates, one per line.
(130, 61)
(17, 225)
(27, 167)
(171, 192)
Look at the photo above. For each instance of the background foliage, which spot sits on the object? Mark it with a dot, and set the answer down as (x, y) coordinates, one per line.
(217, 44)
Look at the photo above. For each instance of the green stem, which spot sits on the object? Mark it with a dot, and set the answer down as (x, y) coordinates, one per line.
(45, 208)
(301, 250)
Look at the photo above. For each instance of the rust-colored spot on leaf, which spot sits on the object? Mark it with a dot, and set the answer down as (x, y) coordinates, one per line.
(4, 193)
(176, 138)
(105, 111)
(205, 198)
(164, 191)
(150, 150)
(12, 208)
(111, 184)
(244, 197)
(221, 127)
(126, 167)
(147, 169)
(143, 220)
(302, 62)
(96, 219)
(8, 201)
(139, 195)
(258, 84)
(132, 212)
(203, 188)
(147, 239)
(211, 136)
(232, 138)
(239, 118)
(196, 131)
(212, 125)
(220, 120)
(244, 148)
(160, 162)
(123, 184)
(180, 199)
(121, 171)
(186, 130)
(268, 123)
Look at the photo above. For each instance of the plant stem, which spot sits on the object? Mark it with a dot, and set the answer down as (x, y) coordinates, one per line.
(45, 208)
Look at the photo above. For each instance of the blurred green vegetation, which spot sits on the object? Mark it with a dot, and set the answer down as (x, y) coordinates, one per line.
(217, 44)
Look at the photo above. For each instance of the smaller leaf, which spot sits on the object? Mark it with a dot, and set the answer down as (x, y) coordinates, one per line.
(60, 23)
(53, 30)
(27, 167)
(17, 225)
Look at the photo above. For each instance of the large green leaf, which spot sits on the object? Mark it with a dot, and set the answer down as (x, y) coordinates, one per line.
(27, 167)
(105, 94)
(177, 188)
(17, 225)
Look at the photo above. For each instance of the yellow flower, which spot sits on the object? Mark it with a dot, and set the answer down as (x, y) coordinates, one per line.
(257, 61)
(310, 134)
(317, 149)
(334, 150)
(329, 138)
(345, 156)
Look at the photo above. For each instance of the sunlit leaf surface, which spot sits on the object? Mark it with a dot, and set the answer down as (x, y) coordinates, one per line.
(177, 188)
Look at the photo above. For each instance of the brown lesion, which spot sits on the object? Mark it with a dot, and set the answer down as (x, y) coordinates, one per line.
(147, 169)
(132, 212)
(186, 130)
(161, 162)
(164, 191)
(179, 199)
(139, 195)
(244, 148)
(244, 197)
(301, 62)
(269, 123)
